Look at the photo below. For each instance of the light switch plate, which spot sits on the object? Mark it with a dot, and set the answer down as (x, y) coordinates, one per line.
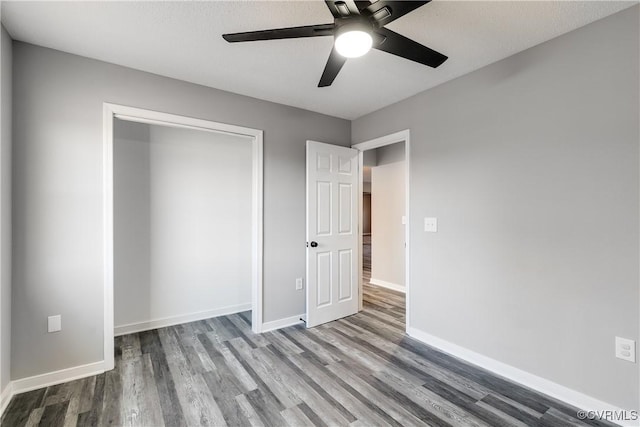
(626, 349)
(404, 220)
(431, 225)
(54, 323)
(299, 283)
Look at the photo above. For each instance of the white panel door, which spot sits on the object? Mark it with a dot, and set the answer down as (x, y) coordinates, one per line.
(332, 232)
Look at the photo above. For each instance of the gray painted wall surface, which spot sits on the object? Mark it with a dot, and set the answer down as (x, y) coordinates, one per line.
(182, 222)
(5, 207)
(388, 154)
(387, 209)
(131, 223)
(531, 166)
(369, 158)
(58, 193)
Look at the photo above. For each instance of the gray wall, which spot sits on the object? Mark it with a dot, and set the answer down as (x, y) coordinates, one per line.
(531, 166)
(5, 207)
(58, 193)
(182, 222)
(131, 223)
(369, 158)
(387, 209)
(389, 154)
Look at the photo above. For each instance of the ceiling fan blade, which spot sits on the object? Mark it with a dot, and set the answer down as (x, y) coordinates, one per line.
(396, 44)
(362, 4)
(282, 33)
(383, 12)
(342, 8)
(333, 67)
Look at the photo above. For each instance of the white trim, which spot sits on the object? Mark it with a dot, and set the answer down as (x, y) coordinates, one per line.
(5, 397)
(400, 136)
(539, 384)
(107, 171)
(56, 377)
(407, 239)
(141, 115)
(257, 219)
(403, 135)
(360, 220)
(148, 116)
(282, 323)
(148, 325)
(388, 285)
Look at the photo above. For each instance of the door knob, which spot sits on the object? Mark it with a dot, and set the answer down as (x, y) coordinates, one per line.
(314, 244)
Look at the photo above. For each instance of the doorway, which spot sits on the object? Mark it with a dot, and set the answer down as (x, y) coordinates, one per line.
(384, 225)
(176, 198)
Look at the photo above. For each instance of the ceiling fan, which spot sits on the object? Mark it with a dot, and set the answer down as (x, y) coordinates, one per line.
(357, 27)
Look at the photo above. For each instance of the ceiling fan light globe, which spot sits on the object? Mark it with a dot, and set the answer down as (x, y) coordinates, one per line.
(354, 43)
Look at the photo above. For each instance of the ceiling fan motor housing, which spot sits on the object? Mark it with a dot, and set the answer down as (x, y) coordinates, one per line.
(352, 23)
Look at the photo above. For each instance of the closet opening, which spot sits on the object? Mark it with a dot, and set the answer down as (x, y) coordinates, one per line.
(183, 238)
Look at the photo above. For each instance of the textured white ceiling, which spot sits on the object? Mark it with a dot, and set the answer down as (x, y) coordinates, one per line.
(183, 40)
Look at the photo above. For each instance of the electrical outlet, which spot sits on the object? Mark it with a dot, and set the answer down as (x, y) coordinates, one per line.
(299, 284)
(431, 225)
(54, 323)
(626, 349)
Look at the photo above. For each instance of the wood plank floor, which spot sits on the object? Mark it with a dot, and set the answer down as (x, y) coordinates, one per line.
(359, 371)
(366, 258)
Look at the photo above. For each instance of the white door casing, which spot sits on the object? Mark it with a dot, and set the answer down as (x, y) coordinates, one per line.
(332, 223)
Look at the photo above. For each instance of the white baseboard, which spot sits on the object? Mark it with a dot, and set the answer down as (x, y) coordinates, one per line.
(282, 323)
(56, 377)
(542, 385)
(5, 397)
(388, 285)
(148, 325)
